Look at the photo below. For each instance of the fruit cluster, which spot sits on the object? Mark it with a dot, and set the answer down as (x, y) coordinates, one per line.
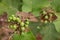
(16, 24)
(47, 16)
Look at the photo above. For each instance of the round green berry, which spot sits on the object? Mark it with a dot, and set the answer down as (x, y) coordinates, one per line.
(22, 24)
(17, 19)
(27, 22)
(46, 21)
(14, 18)
(44, 12)
(46, 17)
(23, 28)
(11, 26)
(26, 25)
(10, 18)
(14, 26)
(12, 15)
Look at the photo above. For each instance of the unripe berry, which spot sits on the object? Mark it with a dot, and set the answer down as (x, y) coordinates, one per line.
(14, 26)
(46, 17)
(11, 26)
(27, 22)
(14, 18)
(26, 25)
(22, 24)
(23, 28)
(18, 19)
(46, 21)
(44, 12)
(10, 18)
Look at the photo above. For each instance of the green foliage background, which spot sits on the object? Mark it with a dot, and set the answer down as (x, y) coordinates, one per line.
(34, 6)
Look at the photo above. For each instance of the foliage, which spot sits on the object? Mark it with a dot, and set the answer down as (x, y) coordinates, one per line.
(50, 31)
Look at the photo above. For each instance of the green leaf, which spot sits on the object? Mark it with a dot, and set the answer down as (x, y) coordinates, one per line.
(38, 4)
(57, 22)
(49, 32)
(10, 10)
(56, 5)
(27, 6)
(15, 37)
(28, 36)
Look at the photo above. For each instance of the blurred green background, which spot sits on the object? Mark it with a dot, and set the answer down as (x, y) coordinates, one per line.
(34, 6)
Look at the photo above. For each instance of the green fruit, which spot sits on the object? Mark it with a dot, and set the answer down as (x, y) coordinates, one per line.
(27, 22)
(46, 17)
(14, 26)
(12, 15)
(22, 24)
(10, 18)
(11, 26)
(46, 21)
(14, 18)
(26, 25)
(17, 19)
(44, 12)
(23, 28)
